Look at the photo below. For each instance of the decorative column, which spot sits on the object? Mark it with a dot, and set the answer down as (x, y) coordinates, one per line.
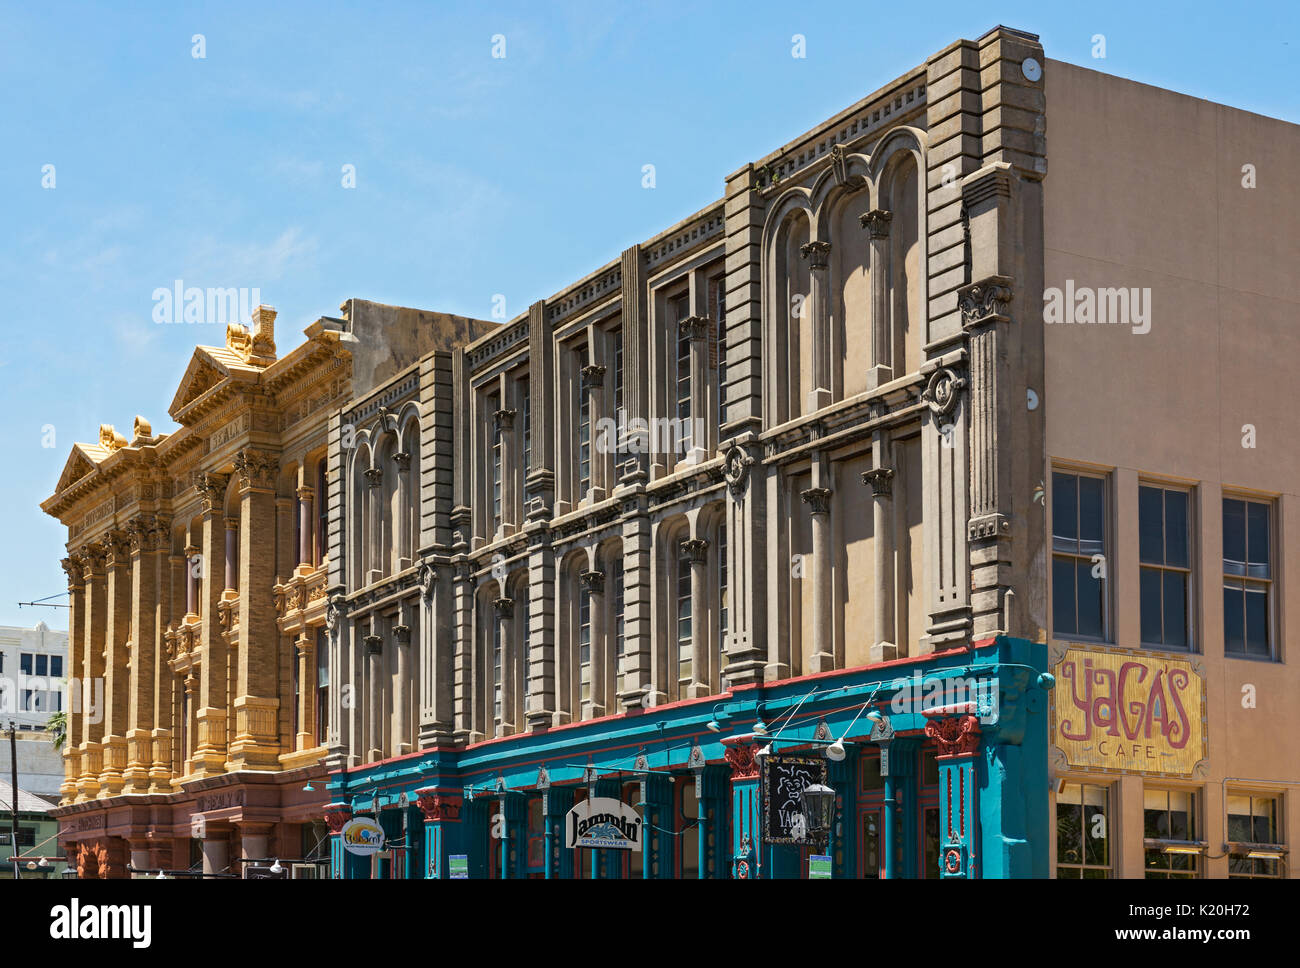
(696, 330)
(306, 496)
(208, 741)
(745, 806)
(374, 696)
(144, 617)
(503, 422)
(543, 705)
(637, 578)
(91, 720)
(337, 815)
(504, 617)
(75, 690)
(944, 501)
(304, 652)
(232, 554)
(437, 656)
(592, 378)
(747, 573)
(876, 222)
(256, 744)
(169, 569)
(117, 664)
(402, 526)
(696, 551)
(193, 562)
(402, 690)
(442, 828)
(372, 555)
(818, 255)
(958, 739)
(593, 585)
(881, 481)
(818, 500)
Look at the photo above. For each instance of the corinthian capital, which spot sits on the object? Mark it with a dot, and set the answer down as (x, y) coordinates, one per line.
(256, 469)
(212, 490)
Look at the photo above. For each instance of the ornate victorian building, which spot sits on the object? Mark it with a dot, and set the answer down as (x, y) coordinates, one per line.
(197, 566)
(741, 491)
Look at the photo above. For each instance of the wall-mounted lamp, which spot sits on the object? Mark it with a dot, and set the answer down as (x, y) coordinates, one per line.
(713, 723)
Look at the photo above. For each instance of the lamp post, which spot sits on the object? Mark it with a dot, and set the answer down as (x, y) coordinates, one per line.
(819, 811)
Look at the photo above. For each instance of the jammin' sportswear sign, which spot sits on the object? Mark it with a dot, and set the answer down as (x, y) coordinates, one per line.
(605, 823)
(1129, 711)
(362, 837)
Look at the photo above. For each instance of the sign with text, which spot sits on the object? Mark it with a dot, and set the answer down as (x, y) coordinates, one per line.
(458, 867)
(362, 837)
(784, 777)
(604, 823)
(1129, 711)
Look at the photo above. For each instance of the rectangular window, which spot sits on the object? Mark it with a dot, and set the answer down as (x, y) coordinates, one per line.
(620, 418)
(496, 468)
(295, 688)
(718, 343)
(56, 666)
(29, 701)
(25, 660)
(42, 665)
(724, 616)
(527, 428)
(620, 638)
(1083, 831)
(683, 620)
(1170, 834)
(496, 671)
(322, 686)
(525, 638)
(1252, 825)
(681, 309)
(584, 646)
(1078, 556)
(322, 511)
(1164, 550)
(584, 433)
(1247, 577)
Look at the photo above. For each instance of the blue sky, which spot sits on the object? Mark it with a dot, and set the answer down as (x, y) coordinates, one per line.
(475, 175)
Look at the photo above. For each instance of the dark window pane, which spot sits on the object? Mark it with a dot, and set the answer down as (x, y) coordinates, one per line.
(1095, 875)
(1149, 591)
(42, 665)
(1064, 621)
(1176, 528)
(1257, 621)
(1090, 601)
(1092, 514)
(25, 663)
(1257, 543)
(56, 665)
(1234, 619)
(1065, 506)
(1179, 827)
(1175, 608)
(1151, 542)
(1234, 537)
(871, 778)
(1069, 833)
(1095, 849)
(932, 842)
(1153, 824)
(1239, 828)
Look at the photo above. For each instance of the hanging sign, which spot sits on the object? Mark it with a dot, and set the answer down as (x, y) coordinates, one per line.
(784, 777)
(1129, 711)
(362, 837)
(604, 823)
(819, 867)
(458, 867)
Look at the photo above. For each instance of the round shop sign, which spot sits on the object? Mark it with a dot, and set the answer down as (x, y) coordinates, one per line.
(362, 837)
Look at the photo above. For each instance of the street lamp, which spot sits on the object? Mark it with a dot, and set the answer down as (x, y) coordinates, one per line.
(818, 809)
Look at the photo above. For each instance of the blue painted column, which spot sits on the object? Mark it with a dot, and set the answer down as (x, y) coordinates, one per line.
(958, 739)
(336, 815)
(745, 803)
(441, 812)
(550, 835)
(658, 846)
(842, 845)
(906, 791)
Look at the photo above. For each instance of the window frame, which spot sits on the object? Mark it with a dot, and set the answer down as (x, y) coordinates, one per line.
(1238, 849)
(1108, 869)
(1242, 582)
(1154, 845)
(1079, 557)
(1189, 572)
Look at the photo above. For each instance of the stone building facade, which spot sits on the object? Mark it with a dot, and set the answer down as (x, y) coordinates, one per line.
(197, 569)
(772, 461)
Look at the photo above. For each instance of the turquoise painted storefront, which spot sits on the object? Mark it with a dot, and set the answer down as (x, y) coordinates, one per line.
(952, 772)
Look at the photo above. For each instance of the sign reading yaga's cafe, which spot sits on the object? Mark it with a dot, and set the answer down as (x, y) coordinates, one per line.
(604, 823)
(1129, 711)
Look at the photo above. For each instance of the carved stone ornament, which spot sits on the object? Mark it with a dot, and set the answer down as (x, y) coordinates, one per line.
(818, 499)
(333, 612)
(374, 644)
(881, 481)
(212, 491)
(374, 476)
(695, 327)
(740, 757)
(817, 253)
(840, 169)
(942, 390)
(988, 298)
(593, 581)
(737, 462)
(505, 607)
(503, 419)
(402, 633)
(110, 439)
(956, 736)
(593, 377)
(428, 579)
(876, 222)
(256, 468)
(696, 551)
(402, 460)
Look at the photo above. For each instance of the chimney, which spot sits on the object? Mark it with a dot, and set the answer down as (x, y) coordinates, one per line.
(264, 334)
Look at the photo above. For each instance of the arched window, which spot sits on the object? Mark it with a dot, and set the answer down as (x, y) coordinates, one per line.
(410, 492)
(684, 607)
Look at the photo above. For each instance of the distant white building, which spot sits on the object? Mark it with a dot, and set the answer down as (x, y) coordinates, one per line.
(33, 672)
